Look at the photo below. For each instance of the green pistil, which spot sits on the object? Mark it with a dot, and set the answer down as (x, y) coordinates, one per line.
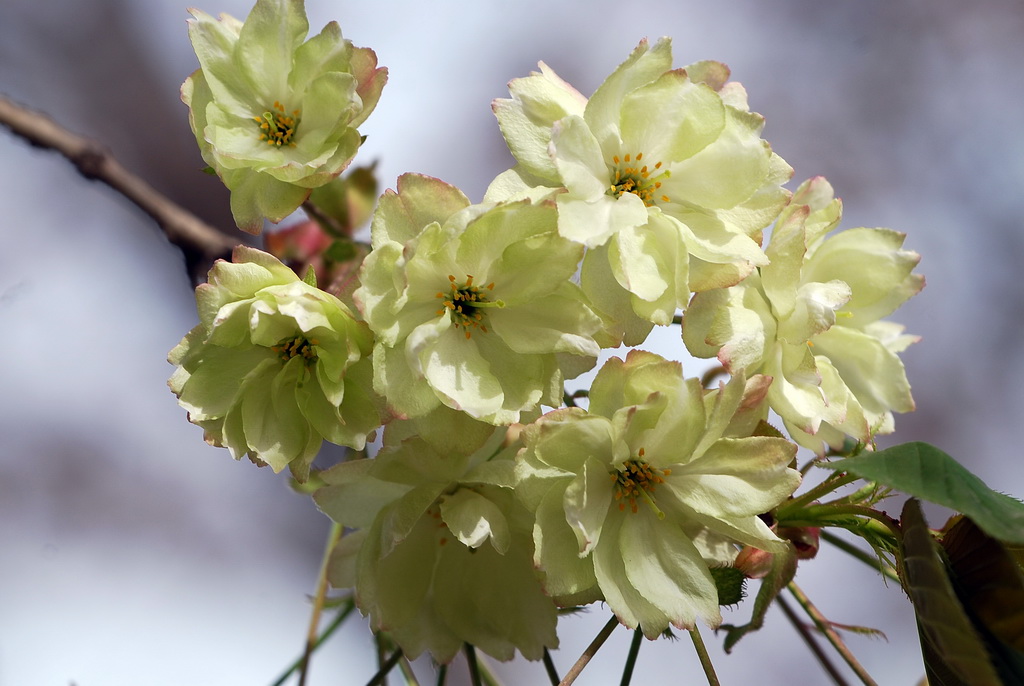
(278, 128)
(637, 479)
(628, 176)
(297, 347)
(465, 302)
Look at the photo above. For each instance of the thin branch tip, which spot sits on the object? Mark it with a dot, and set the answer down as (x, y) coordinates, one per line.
(96, 163)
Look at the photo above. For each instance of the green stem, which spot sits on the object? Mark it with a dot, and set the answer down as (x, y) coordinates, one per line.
(634, 650)
(861, 555)
(474, 667)
(831, 634)
(318, 601)
(410, 676)
(343, 614)
(382, 644)
(388, 665)
(486, 675)
(824, 488)
(825, 511)
(549, 665)
(327, 222)
(589, 653)
(705, 659)
(857, 497)
(823, 660)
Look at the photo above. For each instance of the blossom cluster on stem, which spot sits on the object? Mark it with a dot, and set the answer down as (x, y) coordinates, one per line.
(489, 505)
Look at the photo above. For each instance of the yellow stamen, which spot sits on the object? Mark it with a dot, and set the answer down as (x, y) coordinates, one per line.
(464, 303)
(631, 178)
(278, 128)
(638, 479)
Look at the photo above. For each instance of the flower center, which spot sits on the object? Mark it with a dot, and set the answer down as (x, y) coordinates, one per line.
(637, 479)
(277, 127)
(631, 175)
(297, 347)
(464, 303)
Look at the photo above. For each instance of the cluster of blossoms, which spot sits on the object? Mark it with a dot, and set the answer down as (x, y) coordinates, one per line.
(480, 515)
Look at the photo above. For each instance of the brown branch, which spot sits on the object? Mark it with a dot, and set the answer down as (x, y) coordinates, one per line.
(591, 651)
(805, 634)
(183, 229)
(831, 634)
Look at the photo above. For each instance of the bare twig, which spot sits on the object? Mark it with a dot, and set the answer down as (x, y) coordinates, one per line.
(386, 667)
(329, 223)
(823, 660)
(318, 601)
(549, 665)
(831, 634)
(634, 651)
(875, 563)
(196, 238)
(347, 608)
(474, 667)
(705, 659)
(591, 650)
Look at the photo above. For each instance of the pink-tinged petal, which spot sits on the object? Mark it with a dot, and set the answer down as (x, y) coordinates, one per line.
(538, 101)
(628, 604)
(737, 477)
(671, 119)
(663, 565)
(873, 373)
(419, 201)
(644, 65)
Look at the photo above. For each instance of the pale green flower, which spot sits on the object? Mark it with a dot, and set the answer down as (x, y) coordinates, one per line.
(275, 366)
(636, 497)
(810, 320)
(665, 178)
(472, 306)
(443, 554)
(275, 116)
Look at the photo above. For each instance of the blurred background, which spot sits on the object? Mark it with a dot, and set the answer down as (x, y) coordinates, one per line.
(132, 553)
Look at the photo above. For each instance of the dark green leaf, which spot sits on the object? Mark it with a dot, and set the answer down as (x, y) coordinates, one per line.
(340, 250)
(763, 428)
(925, 472)
(953, 652)
(990, 585)
(730, 583)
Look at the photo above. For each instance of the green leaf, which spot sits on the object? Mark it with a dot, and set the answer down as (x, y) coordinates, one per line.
(341, 250)
(310, 277)
(923, 471)
(990, 585)
(763, 428)
(348, 199)
(730, 583)
(868, 631)
(953, 652)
